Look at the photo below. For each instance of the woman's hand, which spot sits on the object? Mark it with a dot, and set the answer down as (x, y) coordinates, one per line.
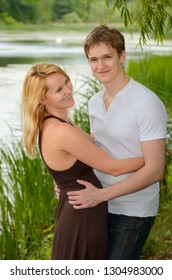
(57, 192)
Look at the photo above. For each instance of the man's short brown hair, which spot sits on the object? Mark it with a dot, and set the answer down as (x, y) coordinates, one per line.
(103, 34)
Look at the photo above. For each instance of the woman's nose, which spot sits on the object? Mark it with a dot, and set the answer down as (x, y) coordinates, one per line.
(67, 88)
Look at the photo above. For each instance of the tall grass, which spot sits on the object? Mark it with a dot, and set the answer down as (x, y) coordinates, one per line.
(27, 205)
(84, 93)
(154, 72)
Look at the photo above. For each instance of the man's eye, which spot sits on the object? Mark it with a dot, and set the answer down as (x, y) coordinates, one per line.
(107, 57)
(93, 60)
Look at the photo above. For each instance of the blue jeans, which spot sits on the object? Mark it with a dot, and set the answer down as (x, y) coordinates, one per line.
(127, 236)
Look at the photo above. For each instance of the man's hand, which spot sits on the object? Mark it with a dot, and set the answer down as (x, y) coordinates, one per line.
(86, 198)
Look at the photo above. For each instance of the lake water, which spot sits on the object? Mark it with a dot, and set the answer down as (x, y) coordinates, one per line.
(16, 57)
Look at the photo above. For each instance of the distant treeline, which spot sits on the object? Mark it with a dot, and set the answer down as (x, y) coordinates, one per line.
(43, 11)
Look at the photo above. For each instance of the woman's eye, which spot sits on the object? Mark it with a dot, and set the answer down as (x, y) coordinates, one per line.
(59, 90)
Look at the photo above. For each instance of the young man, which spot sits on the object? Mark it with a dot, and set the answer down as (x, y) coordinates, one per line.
(127, 120)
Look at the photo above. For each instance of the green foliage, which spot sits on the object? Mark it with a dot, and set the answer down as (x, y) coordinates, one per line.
(8, 20)
(28, 11)
(27, 204)
(97, 12)
(145, 16)
(149, 18)
(158, 245)
(121, 5)
(149, 72)
(61, 8)
(71, 18)
(4, 6)
(169, 181)
(83, 94)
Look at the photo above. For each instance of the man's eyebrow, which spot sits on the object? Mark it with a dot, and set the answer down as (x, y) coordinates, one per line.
(110, 53)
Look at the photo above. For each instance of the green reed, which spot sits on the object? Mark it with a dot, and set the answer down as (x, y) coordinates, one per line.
(27, 204)
(80, 113)
(154, 72)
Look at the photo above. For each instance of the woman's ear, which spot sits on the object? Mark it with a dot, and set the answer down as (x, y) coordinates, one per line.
(43, 102)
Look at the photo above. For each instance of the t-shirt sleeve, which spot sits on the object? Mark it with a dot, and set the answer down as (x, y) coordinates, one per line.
(152, 120)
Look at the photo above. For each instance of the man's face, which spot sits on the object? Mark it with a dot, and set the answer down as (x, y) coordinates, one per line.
(106, 64)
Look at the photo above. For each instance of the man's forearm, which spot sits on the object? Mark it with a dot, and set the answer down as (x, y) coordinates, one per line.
(141, 179)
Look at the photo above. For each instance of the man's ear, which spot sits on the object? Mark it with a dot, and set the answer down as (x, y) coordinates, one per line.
(123, 56)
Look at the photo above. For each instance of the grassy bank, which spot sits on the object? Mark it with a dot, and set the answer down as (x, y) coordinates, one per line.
(60, 27)
(63, 28)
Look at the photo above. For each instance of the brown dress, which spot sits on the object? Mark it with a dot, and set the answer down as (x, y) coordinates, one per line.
(79, 234)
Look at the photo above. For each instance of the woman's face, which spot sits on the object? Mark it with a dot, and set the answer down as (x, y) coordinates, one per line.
(59, 93)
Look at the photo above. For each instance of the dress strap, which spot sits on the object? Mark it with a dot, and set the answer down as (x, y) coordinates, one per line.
(54, 117)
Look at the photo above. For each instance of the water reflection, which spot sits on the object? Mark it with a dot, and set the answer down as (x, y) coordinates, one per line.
(62, 59)
(31, 52)
(27, 49)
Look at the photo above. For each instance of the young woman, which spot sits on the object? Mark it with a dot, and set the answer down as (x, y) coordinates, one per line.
(69, 154)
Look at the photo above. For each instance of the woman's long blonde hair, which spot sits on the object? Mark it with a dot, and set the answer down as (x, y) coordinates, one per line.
(32, 108)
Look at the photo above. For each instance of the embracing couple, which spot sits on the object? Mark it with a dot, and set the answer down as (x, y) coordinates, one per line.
(109, 180)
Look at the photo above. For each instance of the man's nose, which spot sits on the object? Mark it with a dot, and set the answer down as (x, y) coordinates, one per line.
(100, 63)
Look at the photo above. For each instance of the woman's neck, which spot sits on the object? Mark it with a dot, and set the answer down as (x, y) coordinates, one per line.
(63, 114)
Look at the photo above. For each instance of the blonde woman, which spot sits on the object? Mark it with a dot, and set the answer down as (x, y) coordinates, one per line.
(69, 154)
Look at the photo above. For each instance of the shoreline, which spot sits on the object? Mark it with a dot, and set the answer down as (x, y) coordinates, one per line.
(73, 37)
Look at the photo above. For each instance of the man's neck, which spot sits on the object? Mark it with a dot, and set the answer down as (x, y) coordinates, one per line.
(112, 89)
(116, 86)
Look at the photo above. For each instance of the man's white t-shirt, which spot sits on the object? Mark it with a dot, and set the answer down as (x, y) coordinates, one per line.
(136, 114)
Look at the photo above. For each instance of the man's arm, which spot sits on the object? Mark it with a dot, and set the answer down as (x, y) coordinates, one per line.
(154, 156)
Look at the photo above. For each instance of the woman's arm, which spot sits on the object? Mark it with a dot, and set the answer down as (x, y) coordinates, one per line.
(71, 140)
